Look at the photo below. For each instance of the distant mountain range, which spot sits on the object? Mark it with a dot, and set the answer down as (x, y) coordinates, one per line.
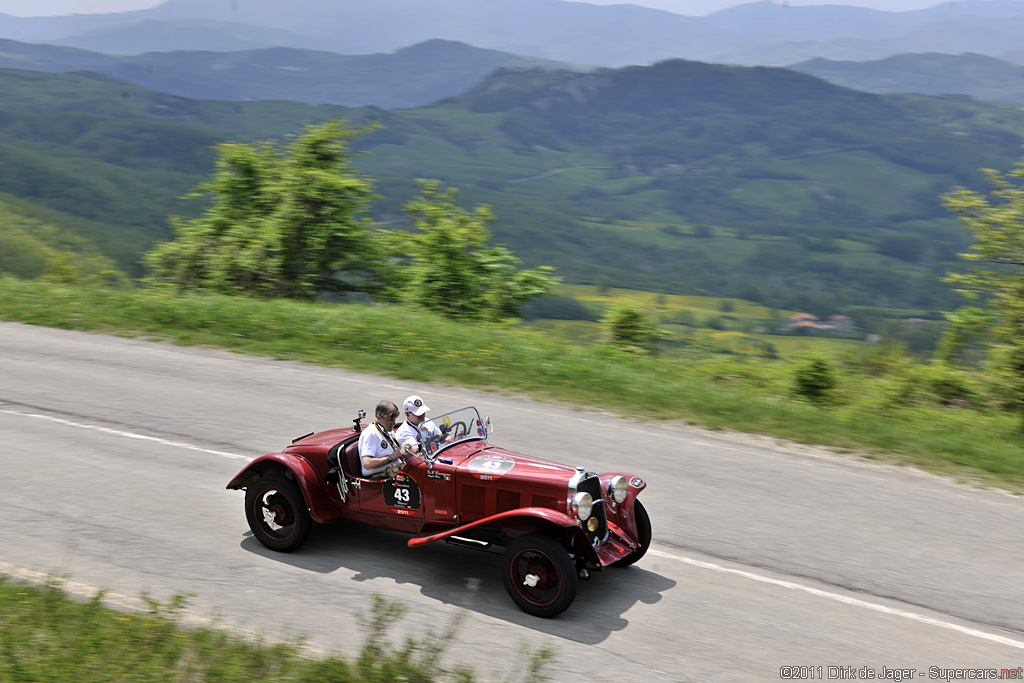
(978, 76)
(787, 34)
(409, 77)
(170, 35)
(612, 35)
(427, 72)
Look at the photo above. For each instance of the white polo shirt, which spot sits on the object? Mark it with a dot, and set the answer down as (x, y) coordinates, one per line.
(376, 443)
(409, 434)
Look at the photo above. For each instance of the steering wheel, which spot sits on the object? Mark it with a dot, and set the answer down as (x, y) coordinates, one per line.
(431, 445)
(459, 429)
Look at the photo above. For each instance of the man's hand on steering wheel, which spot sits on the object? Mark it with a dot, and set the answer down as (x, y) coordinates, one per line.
(405, 452)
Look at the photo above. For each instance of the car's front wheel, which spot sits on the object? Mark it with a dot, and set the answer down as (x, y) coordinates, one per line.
(539, 575)
(276, 512)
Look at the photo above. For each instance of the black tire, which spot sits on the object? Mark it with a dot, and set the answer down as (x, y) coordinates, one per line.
(275, 501)
(541, 561)
(643, 530)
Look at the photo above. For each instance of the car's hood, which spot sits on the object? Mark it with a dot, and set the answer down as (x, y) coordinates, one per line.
(492, 463)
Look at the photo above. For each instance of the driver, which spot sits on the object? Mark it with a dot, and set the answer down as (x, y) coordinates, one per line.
(378, 447)
(417, 427)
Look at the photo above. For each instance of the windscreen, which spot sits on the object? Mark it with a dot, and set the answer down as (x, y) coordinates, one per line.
(459, 425)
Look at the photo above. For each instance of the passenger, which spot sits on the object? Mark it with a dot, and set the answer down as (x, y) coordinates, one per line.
(378, 447)
(417, 427)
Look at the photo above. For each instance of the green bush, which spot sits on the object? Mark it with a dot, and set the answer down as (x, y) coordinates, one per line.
(814, 380)
(632, 328)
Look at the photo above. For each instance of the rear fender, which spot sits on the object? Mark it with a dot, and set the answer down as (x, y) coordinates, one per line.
(530, 519)
(296, 469)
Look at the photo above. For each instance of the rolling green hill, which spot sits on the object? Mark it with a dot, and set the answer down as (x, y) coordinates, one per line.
(682, 177)
(752, 182)
(88, 92)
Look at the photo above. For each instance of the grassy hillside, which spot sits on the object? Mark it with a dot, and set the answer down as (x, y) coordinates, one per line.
(732, 326)
(755, 183)
(32, 243)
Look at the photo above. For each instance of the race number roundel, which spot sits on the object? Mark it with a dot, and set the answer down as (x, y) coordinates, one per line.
(491, 466)
(402, 492)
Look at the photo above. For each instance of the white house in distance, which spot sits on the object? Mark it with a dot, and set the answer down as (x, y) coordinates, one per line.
(812, 324)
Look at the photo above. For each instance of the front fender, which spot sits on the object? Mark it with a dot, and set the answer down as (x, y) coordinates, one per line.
(545, 514)
(622, 514)
(317, 502)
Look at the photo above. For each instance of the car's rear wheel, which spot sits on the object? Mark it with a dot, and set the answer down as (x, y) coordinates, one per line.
(276, 512)
(539, 575)
(643, 534)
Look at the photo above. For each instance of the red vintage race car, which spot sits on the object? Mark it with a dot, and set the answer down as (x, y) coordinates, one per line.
(552, 523)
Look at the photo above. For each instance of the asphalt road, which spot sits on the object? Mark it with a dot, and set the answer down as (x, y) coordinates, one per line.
(115, 454)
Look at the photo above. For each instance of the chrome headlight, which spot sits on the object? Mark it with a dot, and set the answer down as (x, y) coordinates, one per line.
(618, 487)
(582, 505)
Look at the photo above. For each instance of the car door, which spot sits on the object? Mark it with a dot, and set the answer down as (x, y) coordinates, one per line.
(439, 503)
(398, 496)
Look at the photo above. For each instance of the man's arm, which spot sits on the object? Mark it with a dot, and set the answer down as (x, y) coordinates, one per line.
(370, 462)
(369, 453)
(409, 440)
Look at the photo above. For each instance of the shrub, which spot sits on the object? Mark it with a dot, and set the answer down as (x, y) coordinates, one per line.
(936, 384)
(632, 328)
(814, 380)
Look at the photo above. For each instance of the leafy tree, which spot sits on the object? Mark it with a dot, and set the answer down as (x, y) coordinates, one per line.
(454, 272)
(632, 328)
(283, 223)
(997, 222)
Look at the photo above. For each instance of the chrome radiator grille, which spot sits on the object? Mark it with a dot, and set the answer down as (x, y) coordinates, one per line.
(591, 483)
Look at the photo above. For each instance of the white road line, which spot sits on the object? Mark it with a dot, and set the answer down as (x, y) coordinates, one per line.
(127, 435)
(913, 616)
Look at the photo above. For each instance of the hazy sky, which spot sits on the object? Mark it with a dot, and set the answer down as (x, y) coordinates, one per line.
(25, 8)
